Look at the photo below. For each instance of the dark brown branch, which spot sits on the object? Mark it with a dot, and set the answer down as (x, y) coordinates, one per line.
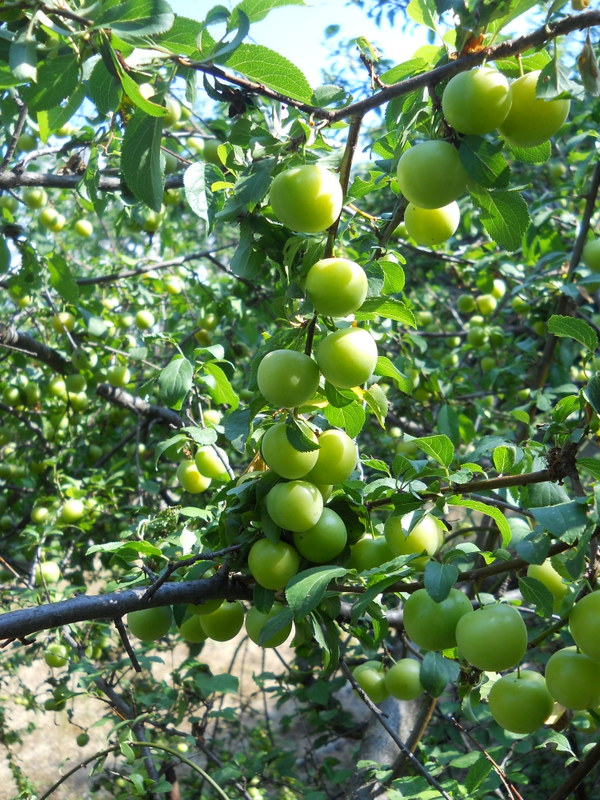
(506, 49)
(16, 624)
(345, 169)
(578, 775)
(188, 562)
(541, 373)
(126, 400)
(127, 644)
(12, 145)
(12, 339)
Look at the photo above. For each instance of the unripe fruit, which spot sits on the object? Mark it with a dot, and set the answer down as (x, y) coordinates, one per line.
(370, 676)
(282, 457)
(72, 511)
(190, 478)
(477, 101)
(224, 623)
(486, 303)
(63, 321)
(369, 552)
(287, 378)
(432, 625)
(431, 226)
(256, 621)
(307, 199)
(47, 217)
(403, 680)
(336, 286)
(35, 198)
(584, 624)
(149, 624)
(325, 540)
(347, 357)
(273, 564)
(210, 464)
(192, 631)
(493, 638)
(75, 382)
(573, 679)
(591, 255)
(530, 120)
(118, 375)
(336, 458)
(82, 739)
(431, 175)
(425, 536)
(47, 572)
(84, 228)
(465, 303)
(144, 319)
(56, 655)
(295, 505)
(520, 702)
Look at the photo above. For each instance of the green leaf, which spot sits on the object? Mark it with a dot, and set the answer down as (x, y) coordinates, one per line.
(195, 189)
(132, 545)
(386, 369)
(566, 521)
(477, 773)
(437, 672)
(536, 594)
(484, 163)
(274, 625)
(351, 418)
(267, 67)
(4, 255)
(503, 214)
(439, 579)
(61, 278)
(554, 81)
(377, 401)
(423, 12)
(223, 392)
(140, 159)
(297, 437)
(490, 511)
(327, 636)
(388, 308)
(591, 465)
(57, 78)
(592, 392)
(211, 684)
(182, 36)
(134, 18)
(22, 59)
(438, 447)
(256, 10)
(103, 88)
(237, 428)
(575, 329)
(532, 155)
(175, 381)
(306, 589)
(504, 458)
(394, 278)
(338, 398)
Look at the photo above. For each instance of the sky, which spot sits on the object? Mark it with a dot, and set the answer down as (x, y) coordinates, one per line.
(297, 32)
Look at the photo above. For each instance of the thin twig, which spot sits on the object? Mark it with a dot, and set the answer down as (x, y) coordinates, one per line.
(127, 644)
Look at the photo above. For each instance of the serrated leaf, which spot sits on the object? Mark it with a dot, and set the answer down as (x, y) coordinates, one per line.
(141, 167)
(536, 594)
(504, 215)
(57, 78)
(104, 90)
(484, 163)
(386, 369)
(256, 10)
(134, 546)
(351, 418)
(271, 69)
(532, 155)
(182, 36)
(61, 278)
(439, 579)
(490, 511)
(297, 437)
(437, 672)
(591, 465)
(592, 393)
(504, 458)
(306, 589)
(394, 278)
(134, 18)
(195, 189)
(575, 329)
(338, 398)
(175, 381)
(423, 12)
(566, 521)
(438, 447)
(377, 401)
(388, 308)
(554, 81)
(223, 392)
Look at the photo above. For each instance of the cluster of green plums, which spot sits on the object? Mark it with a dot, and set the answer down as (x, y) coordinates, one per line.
(431, 175)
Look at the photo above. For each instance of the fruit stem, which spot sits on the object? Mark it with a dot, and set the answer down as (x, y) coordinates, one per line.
(310, 335)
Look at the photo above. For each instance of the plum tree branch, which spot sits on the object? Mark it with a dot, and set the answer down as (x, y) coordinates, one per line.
(506, 49)
(129, 401)
(20, 623)
(14, 179)
(13, 339)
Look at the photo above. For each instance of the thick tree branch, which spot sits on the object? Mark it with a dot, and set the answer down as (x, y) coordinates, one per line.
(132, 403)
(12, 339)
(584, 768)
(17, 624)
(13, 179)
